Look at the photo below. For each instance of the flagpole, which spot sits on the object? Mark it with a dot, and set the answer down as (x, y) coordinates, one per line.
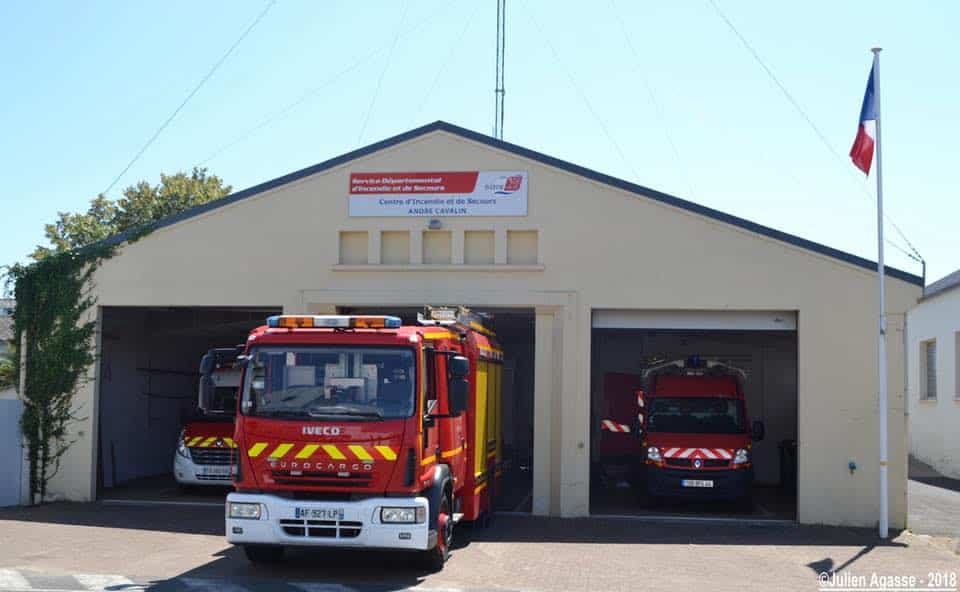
(882, 349)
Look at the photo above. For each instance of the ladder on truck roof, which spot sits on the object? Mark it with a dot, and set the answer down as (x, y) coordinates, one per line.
(460, 319)
(695, 366)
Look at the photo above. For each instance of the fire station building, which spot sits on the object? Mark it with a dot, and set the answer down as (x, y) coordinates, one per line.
(586, 277)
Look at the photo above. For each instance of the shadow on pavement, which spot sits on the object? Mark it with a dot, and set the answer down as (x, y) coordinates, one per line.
(512, 528)
(827, 565)
(180, 519)
(941, 482)
(369, 571)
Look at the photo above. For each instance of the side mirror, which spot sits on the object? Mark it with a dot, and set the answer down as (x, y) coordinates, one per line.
(758, 431)
(207, 389)
(207, 363)
(458, 367)
(457, 391)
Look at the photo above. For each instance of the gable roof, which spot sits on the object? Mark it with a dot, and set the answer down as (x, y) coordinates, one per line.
(531, 155)
(942, 285)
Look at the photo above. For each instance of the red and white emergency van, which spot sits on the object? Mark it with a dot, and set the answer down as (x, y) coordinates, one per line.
(695, 431)
(204, 454)
(356, 431)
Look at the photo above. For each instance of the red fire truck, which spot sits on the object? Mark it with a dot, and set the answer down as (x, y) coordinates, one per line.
(355, 431)
(695, 431)
(205, 446)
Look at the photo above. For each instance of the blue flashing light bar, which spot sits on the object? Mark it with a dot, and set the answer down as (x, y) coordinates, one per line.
(333, 322)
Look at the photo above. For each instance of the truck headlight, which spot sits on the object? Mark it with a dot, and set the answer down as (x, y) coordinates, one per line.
(243, 511)
(653, 453)
(403, 515)
(741, 456)
(182, 449)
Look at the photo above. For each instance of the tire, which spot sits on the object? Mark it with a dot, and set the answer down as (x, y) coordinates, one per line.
(263, 554)
(435, 558)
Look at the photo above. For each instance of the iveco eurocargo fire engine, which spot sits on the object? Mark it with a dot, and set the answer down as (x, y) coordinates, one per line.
(355, 431)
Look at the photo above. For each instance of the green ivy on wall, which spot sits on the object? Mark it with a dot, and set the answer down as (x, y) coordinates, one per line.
(54, 336)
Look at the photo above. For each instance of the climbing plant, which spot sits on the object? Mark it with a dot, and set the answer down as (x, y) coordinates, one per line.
(54, 334)
(53, 324)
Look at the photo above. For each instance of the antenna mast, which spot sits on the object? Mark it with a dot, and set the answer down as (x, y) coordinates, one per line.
(498, 91)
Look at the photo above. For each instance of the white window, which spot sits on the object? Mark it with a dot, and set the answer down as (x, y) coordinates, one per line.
(928, 369)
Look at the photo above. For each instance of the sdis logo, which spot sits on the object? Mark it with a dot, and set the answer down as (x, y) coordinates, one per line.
(511, 185)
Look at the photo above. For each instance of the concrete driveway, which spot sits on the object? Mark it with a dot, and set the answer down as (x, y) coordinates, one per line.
(102, 546)
(933, 501)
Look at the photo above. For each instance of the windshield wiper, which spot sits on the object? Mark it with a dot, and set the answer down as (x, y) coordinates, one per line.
(279, 413)
(341, 410)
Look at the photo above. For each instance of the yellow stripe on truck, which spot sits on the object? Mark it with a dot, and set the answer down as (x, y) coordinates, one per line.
(386, 452)
(256, 449)
(307, 451)
(451, 453)
(206, 443)
(334, 452)
(194, 440)
(360, 452)
(229, 442)
(280, 450)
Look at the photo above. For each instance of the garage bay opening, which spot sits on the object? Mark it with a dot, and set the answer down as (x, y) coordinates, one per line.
(694, 414)
(149, 379)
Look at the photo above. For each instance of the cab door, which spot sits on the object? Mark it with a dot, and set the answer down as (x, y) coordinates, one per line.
(452, 430)
(430, 431)
(619, 418)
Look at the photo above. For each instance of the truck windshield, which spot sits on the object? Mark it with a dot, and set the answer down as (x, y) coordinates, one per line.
(329, 382)
(696, 415)
(224, 401)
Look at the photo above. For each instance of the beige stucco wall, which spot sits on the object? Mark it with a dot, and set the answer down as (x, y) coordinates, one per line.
(934, 436)
(599, 248)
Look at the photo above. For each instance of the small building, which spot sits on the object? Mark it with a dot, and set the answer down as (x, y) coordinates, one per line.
(7, 306)
(586, 276)
(933, 362)
(6, 334)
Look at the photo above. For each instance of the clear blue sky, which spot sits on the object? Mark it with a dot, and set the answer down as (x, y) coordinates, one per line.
(85, 84)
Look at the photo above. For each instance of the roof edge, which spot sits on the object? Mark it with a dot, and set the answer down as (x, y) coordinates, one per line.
(569, 167)
(947, 283)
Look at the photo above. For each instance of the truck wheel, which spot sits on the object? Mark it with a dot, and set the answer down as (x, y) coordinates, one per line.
(263, 553)
(435, 558)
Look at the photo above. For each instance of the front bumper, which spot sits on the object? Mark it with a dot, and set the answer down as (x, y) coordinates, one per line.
(360, 527)
(187, 472)
(727, 484)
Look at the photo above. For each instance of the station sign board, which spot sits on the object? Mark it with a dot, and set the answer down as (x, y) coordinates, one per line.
(438, 194)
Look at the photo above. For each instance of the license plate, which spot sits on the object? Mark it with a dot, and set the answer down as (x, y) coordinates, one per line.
(696, 483)
(318, 513)
(215, 471)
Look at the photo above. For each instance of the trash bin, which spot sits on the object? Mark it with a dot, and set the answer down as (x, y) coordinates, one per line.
(788, 465)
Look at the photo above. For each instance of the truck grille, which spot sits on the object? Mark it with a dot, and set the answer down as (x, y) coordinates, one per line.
(223, 478)
(211, 456)
(324, 479)
(707, 462)
(331, 529)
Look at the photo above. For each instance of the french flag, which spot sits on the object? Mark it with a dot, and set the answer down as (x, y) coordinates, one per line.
(862, 151)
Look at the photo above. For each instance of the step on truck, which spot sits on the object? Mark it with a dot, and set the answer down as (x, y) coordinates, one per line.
(356, 431)
(695, 431)
(204, 453)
